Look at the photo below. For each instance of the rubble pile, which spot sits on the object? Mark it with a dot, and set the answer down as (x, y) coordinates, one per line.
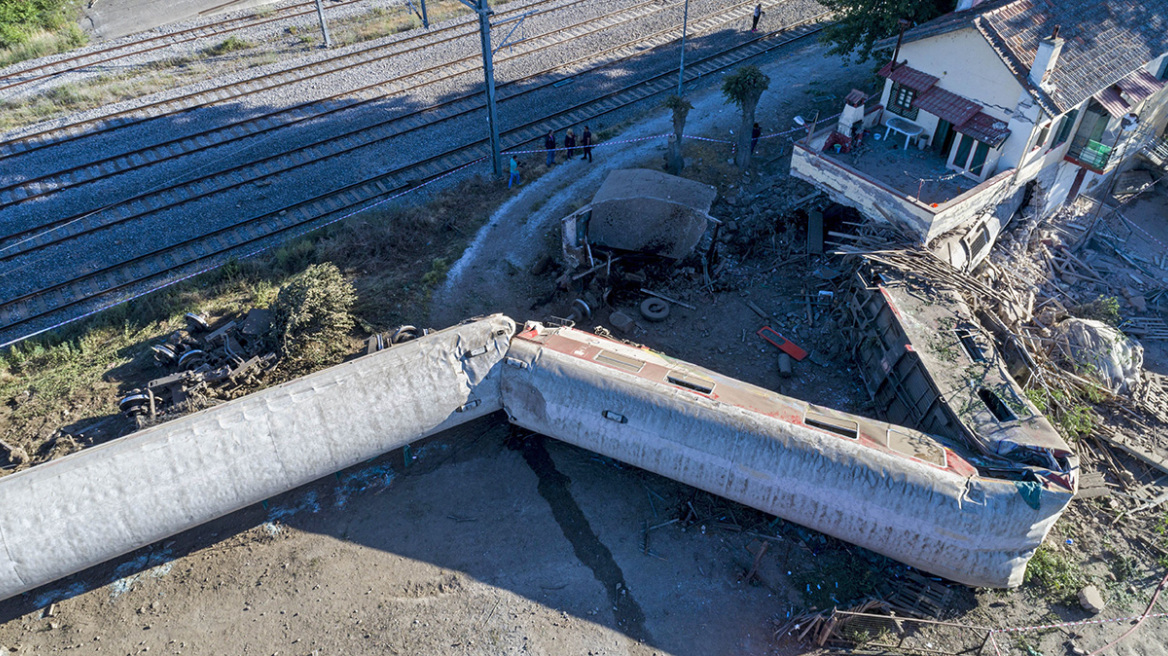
(1086, 375)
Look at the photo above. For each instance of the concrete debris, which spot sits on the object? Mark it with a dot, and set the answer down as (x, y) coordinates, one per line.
(622, 321)
(1091, 599)
(1102, 352)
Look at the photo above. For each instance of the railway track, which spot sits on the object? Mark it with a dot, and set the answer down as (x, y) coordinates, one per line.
(25, 142)
(47, 184)
(89, 292)
(156, 42)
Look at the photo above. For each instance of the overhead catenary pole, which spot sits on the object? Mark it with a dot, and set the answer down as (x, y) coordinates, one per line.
(324, 26)
(481, 8)
(328, 42)
(684, 29)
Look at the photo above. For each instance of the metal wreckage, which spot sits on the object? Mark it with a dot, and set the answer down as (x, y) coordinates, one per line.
(963, 481)
(971, 512)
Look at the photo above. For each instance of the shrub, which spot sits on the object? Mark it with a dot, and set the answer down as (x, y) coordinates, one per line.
(230, 44)
(311, 315)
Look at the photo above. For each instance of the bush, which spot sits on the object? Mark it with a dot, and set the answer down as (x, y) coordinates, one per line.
(230, 44)
(311, 315)
(1104, 308)
(20, 19)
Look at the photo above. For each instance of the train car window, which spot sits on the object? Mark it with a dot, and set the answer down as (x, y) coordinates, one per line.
(844, 427)
(691, 381)
(1000, 410)
(619, 361)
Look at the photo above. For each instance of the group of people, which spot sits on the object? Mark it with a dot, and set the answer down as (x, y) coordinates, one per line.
(549, 144)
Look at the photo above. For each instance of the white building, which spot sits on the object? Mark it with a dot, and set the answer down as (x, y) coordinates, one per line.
(994, 105)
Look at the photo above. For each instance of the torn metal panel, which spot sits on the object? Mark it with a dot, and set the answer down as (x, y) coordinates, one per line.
(893, 490)
(69, 514)
(927, 364)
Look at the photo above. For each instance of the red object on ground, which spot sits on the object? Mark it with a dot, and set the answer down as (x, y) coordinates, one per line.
(784, 344)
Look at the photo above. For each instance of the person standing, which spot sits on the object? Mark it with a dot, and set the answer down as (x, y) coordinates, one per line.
(570, 143)
(754, 135)
(549, 144)
(586, 144)
(757, 15)
(514, 173)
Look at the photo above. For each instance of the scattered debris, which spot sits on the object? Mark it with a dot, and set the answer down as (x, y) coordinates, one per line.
(1091, 600)
(223, 358)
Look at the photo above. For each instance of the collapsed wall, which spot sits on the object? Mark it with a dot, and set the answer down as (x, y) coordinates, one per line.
(70, 514)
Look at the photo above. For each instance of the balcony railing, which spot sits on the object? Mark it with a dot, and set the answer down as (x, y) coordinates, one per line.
(1090, 153)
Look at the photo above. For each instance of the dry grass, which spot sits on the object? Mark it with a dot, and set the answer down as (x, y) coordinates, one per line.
(394, 256)
(140, 81)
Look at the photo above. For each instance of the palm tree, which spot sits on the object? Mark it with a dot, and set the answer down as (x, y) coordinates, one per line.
(744, 87)
(680, 106)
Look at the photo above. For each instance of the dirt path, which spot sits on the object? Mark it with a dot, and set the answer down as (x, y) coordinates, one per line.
(492, 274)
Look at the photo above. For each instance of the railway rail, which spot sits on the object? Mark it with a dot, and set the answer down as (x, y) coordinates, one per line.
(156, 42)
(61, 180)
(24, 142)
(90, 292)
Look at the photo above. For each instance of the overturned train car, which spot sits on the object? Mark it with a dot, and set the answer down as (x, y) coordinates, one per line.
(893, 490)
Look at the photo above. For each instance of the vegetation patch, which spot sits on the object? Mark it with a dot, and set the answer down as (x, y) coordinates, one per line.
(370, 273)
(1054, 573)
(37, 28)
(228, 45)
(311, 316)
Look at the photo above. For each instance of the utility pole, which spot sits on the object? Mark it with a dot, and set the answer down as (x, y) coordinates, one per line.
(328, 42)
(684, 29)
(422, 15)
(481, 8)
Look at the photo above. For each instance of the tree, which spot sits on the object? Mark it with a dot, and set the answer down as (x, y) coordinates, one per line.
(311, 316)
(680, 106)
(744, 87)
(860, 23)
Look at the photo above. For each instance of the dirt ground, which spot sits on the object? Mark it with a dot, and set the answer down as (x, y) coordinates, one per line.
(481, 541)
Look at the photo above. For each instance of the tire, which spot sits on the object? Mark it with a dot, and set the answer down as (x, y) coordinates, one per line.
(654, 309)
(403, 334)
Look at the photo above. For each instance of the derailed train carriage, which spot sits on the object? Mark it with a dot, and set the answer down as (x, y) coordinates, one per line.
(893, 490)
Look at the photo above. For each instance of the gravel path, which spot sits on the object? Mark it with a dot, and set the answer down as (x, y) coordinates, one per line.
(520, 231)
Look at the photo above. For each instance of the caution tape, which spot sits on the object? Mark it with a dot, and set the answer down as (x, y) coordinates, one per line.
(1044, 627)
(296, 233)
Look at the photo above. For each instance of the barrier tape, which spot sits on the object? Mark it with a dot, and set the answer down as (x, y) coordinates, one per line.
(297, 233)
(306, 229)
(1043, 627)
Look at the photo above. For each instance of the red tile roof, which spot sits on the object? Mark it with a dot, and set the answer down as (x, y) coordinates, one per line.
(1140, 85)
(947, 105)
(1105, 40)
(856, 98)
(985, 128)
(908, 76)
(1119, 98)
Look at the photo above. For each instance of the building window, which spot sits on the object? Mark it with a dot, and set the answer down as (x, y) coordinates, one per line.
(1064, 130)
(900, 101)
(1163, 72)
(1042, 134)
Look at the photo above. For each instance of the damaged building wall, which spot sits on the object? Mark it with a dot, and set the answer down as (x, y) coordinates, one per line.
(848, 186)
(67, 515)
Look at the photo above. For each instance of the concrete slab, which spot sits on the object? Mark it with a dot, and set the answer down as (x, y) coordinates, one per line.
(110, 19)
